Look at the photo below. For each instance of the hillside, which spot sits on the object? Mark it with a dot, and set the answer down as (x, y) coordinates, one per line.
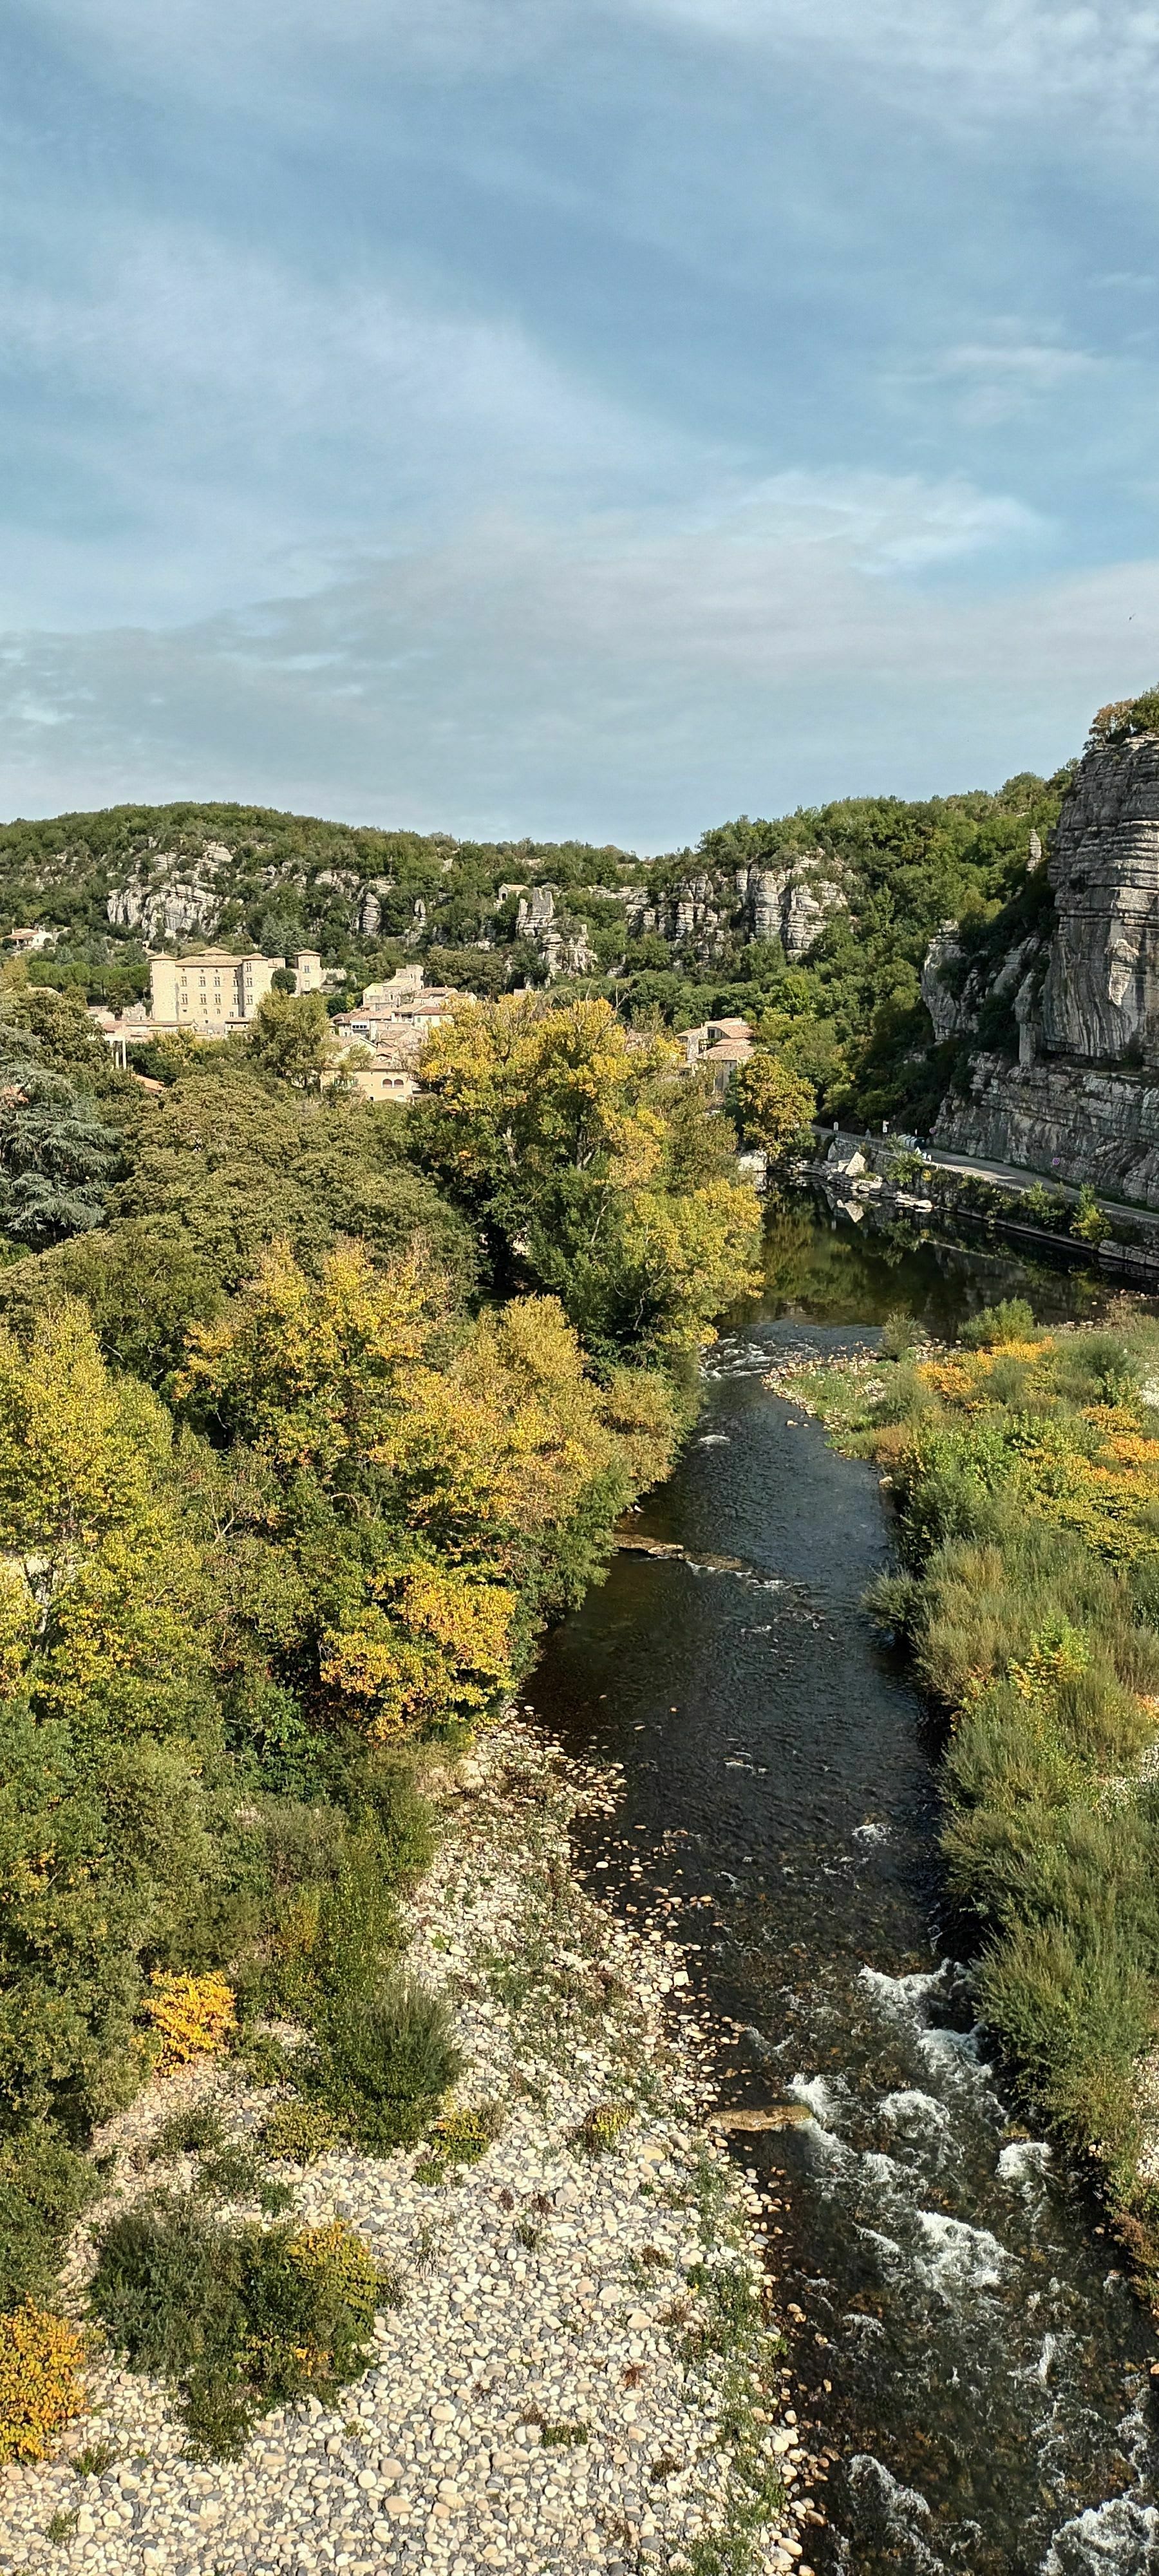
(817, 922)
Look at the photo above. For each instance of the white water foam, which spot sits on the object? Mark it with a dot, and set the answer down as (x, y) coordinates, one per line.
(819, 2096)
(904, 1996)
(1025, 2162)
(881, 2168)
(958, 2257)
(871, 1833)
(1119, 2538)
(714, 1440)
(903, 2513)
(912, 2108)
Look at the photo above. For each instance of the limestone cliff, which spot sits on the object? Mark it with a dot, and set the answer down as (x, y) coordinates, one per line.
(708, 907)
(1081, 1102)
(1101, 996)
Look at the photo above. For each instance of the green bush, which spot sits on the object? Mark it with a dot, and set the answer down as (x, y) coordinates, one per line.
(1010, 1321)
(239, 2319)
(898, 1335)
(195, 2131)
(384, 2059)
(43, 2188)
(297, 2133)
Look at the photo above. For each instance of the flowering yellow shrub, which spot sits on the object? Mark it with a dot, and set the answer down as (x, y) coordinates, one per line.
(193, 2016)
(40, 2384)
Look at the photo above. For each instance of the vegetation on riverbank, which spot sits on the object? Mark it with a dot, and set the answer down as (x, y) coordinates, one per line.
(1025, 1467)
(299, 1448)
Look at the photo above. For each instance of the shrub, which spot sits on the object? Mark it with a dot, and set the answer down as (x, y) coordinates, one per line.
(239, 2318)
(384, 2060)
(198, 2130)
(602, 2126)
(1124, 720)
(40, 2384)
(1088, 1223)
(898, 1335)
(43, 2188)
(460, 2138)
(1010, 1321)
(193, 2016)
(297, 2133)
(334, 2255)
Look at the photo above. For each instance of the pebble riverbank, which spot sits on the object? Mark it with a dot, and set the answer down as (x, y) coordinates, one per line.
(561, 2386)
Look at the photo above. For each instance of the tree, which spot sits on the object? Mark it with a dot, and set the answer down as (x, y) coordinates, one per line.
(107, 1724)
(775, 1106)
(434, 1500)
(591, 1167)
(292, 1038)
(56, 1154)
(229, 1162)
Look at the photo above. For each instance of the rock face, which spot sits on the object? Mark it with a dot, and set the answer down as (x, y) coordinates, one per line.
(791, 904)
(1068, 1121)
(1082, 1103)
(170, 896)
(950, 1010)
(563, 945)
(1101, 996)
(709, 908)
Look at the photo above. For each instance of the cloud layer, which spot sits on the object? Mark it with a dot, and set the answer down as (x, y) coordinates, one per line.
(595, 420)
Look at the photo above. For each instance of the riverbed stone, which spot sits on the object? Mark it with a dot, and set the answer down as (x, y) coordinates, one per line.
(496, 2427)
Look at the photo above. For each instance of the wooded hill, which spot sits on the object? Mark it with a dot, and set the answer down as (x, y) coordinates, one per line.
(673, 939)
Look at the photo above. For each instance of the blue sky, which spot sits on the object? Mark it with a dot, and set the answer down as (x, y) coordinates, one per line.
(537, 415)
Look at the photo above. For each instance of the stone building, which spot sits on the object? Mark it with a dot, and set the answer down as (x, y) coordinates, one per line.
(214, 992)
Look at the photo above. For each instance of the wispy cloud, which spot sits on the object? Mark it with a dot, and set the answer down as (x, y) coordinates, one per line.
(595, 417)
(617, 679)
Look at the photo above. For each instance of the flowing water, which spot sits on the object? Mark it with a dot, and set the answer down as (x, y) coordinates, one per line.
(970, 2350)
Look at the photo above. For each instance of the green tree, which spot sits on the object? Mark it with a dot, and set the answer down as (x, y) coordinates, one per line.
(57, 1155)
(107, 1723)
(775, 1107)
(572, 1140)
(292, 1039)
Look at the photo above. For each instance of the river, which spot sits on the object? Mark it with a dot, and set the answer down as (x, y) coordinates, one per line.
(970, 2351)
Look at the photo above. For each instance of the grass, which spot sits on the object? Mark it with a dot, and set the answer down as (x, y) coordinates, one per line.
(93, 2461)
(1025, 1467)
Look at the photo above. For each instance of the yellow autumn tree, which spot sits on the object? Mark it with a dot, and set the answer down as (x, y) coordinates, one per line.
(108, 1717)
(433, 1492)
(570, 1139)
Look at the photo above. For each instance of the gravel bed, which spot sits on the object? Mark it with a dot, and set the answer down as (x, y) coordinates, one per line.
(529, 2406)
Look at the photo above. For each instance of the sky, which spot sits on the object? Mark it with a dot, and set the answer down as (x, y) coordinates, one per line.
(589, 418)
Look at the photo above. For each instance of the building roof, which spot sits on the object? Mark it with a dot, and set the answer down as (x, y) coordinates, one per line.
(217, 957)
(730, 1051)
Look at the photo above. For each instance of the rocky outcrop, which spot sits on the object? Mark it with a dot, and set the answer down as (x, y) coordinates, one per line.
(952, 1010)
(1069, 1121)
(707, 909)
(1100, 1001)
(369, 913)
(563, 944)
(1082, 1101)
(170, 895)
(791, 903)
